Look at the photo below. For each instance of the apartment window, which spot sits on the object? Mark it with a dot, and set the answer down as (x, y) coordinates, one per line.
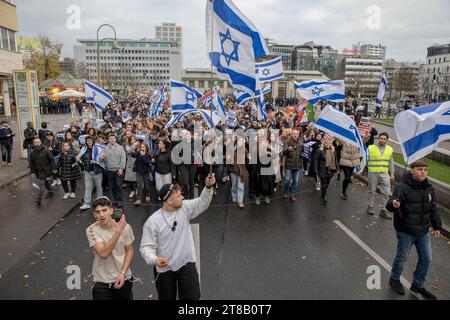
(4, 35)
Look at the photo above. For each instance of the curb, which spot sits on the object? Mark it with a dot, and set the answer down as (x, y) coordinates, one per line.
(445, 228)
(383, 123)
(18, 176)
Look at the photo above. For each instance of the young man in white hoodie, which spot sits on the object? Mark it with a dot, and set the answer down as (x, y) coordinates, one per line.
(168, 245)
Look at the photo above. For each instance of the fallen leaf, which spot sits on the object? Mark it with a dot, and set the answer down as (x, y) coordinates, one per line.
(43, 258)
(73, 298)
(42, 251)
(32, 263)
(304, 257)
(150, 296)
(10, 254)
(436, 286)
(15, 238)
(26, 276)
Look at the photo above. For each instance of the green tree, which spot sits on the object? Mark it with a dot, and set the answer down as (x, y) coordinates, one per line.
(46, 60)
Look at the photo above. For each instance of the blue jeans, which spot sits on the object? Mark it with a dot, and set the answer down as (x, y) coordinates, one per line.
(290, 180)
(115, 183)
(423, 247)
(237, 187)
(90, 178)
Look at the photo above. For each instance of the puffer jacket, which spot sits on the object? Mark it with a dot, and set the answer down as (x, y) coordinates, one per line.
(68, 167)
(417, 210)
(349, 156)
(293, 159)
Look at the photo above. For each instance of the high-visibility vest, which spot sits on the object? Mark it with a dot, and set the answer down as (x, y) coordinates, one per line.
(379, 163)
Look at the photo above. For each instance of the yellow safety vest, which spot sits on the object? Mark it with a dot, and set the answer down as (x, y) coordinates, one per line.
(379, 163)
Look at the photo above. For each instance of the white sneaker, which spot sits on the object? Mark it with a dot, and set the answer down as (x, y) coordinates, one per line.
(72, 195)
(318, 186)
(132, 194)
(257, 201)
(66, 196)
(55, 182)
(85, 207)
(59, 182)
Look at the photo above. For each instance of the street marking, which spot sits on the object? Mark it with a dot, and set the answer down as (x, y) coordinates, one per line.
(373, 254)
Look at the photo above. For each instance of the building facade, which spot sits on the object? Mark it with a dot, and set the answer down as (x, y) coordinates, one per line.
(403, 79)
(136, 65)
(10, 58)
(170, 32)
(370, 49)
(285, 52)
(435, 77)
(68, 65)
(362, 74)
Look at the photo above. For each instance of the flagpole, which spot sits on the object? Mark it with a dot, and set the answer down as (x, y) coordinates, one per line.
(212, 70)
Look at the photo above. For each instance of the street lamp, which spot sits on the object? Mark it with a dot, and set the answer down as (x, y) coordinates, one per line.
(115, 46)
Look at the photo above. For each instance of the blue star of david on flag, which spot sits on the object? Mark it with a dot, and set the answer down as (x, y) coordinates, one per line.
(234, 54)
(266, 72)
(190, 97)
(317, 91)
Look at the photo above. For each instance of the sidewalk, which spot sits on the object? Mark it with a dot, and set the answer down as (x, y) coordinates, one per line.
(19, 168)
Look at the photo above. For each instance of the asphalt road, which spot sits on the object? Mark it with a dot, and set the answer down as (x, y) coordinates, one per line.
(282, 251)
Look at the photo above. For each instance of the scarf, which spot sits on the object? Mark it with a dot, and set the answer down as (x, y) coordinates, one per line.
(330, 161)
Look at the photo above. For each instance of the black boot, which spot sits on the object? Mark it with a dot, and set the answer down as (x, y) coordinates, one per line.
(38, 202)
(397, 286)
(49, 195)
(423, 292)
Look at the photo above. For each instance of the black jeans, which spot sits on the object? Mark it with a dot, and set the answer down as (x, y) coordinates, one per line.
(6, 152)
(324, 183)
(105, 291)
(73, 185)
(184, 281)
(348, 171)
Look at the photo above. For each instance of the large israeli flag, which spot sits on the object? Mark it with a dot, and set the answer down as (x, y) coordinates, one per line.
(97, 96)
(183, 97)
(420, 130)
(270, 70)
(233, 44)
(318, 90)
(381, 90)
(341, 126)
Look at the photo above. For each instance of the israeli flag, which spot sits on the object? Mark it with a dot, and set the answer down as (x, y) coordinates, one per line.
(261, 107)
(341, 126)
(420, 130)
(158, 101)
(381, 90)
(96, 152)
(233, 44)
(242, 96)
(97, 96)
(317, 90)
(270, 70)
(211, 119)
(183, 97)
(218, 107)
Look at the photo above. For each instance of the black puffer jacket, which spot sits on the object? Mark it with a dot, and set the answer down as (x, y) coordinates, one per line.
(417, 210)
(68, 167)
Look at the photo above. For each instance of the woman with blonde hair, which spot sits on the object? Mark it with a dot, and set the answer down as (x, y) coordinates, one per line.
(326, 165)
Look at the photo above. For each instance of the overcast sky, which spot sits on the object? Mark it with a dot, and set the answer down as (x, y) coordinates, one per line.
(407, 27)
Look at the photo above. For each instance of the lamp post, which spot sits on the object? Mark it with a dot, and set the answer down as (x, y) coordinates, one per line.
(115, 46)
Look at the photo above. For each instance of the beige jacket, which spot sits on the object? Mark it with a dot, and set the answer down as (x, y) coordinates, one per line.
(349, 156)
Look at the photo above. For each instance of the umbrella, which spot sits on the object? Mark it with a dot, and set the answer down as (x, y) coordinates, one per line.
(70, 93)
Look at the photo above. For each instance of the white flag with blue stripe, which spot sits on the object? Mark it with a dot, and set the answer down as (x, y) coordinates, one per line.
(218, 107)
(420, 130)
(261, 106)
(341, 126)
(242, 96)
(183, 97)
(233, 44)
(211, 119)
(97, 96)
(381, 90)
(318, 90)
(270, 70)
